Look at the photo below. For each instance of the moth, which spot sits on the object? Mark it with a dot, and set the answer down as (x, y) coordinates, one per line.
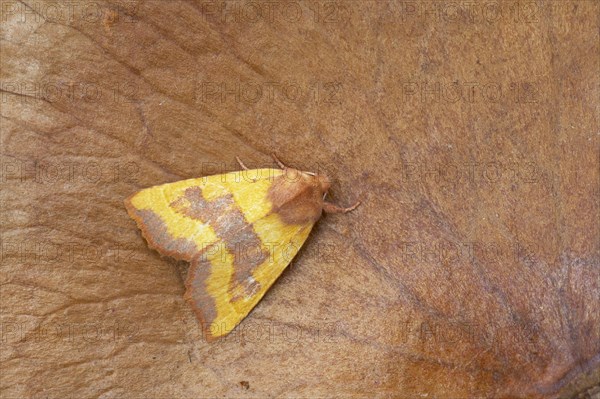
(238, 230)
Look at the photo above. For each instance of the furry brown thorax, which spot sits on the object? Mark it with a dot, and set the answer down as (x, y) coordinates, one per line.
(298, 196)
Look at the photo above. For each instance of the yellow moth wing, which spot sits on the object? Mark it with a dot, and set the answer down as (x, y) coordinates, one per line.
(173, 233)
(221, 305)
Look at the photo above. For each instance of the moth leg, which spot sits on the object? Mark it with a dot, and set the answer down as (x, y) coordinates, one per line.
(281, 165)
(241, 163)
(328, 207)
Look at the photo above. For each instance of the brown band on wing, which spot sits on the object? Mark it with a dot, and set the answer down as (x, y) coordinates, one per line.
(197, 296)
(230, 225)
(193, 204)
(155, 232)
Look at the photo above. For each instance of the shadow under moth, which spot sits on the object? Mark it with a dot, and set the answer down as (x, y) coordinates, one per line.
(238, 230)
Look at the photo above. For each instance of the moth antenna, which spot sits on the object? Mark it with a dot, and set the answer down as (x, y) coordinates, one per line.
(328, 207)
(281, 165)
(241, 163)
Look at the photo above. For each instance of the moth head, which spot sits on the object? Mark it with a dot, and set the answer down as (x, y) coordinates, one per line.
(324, 182)
(318, 179)
(308, 179)
(297, 196)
